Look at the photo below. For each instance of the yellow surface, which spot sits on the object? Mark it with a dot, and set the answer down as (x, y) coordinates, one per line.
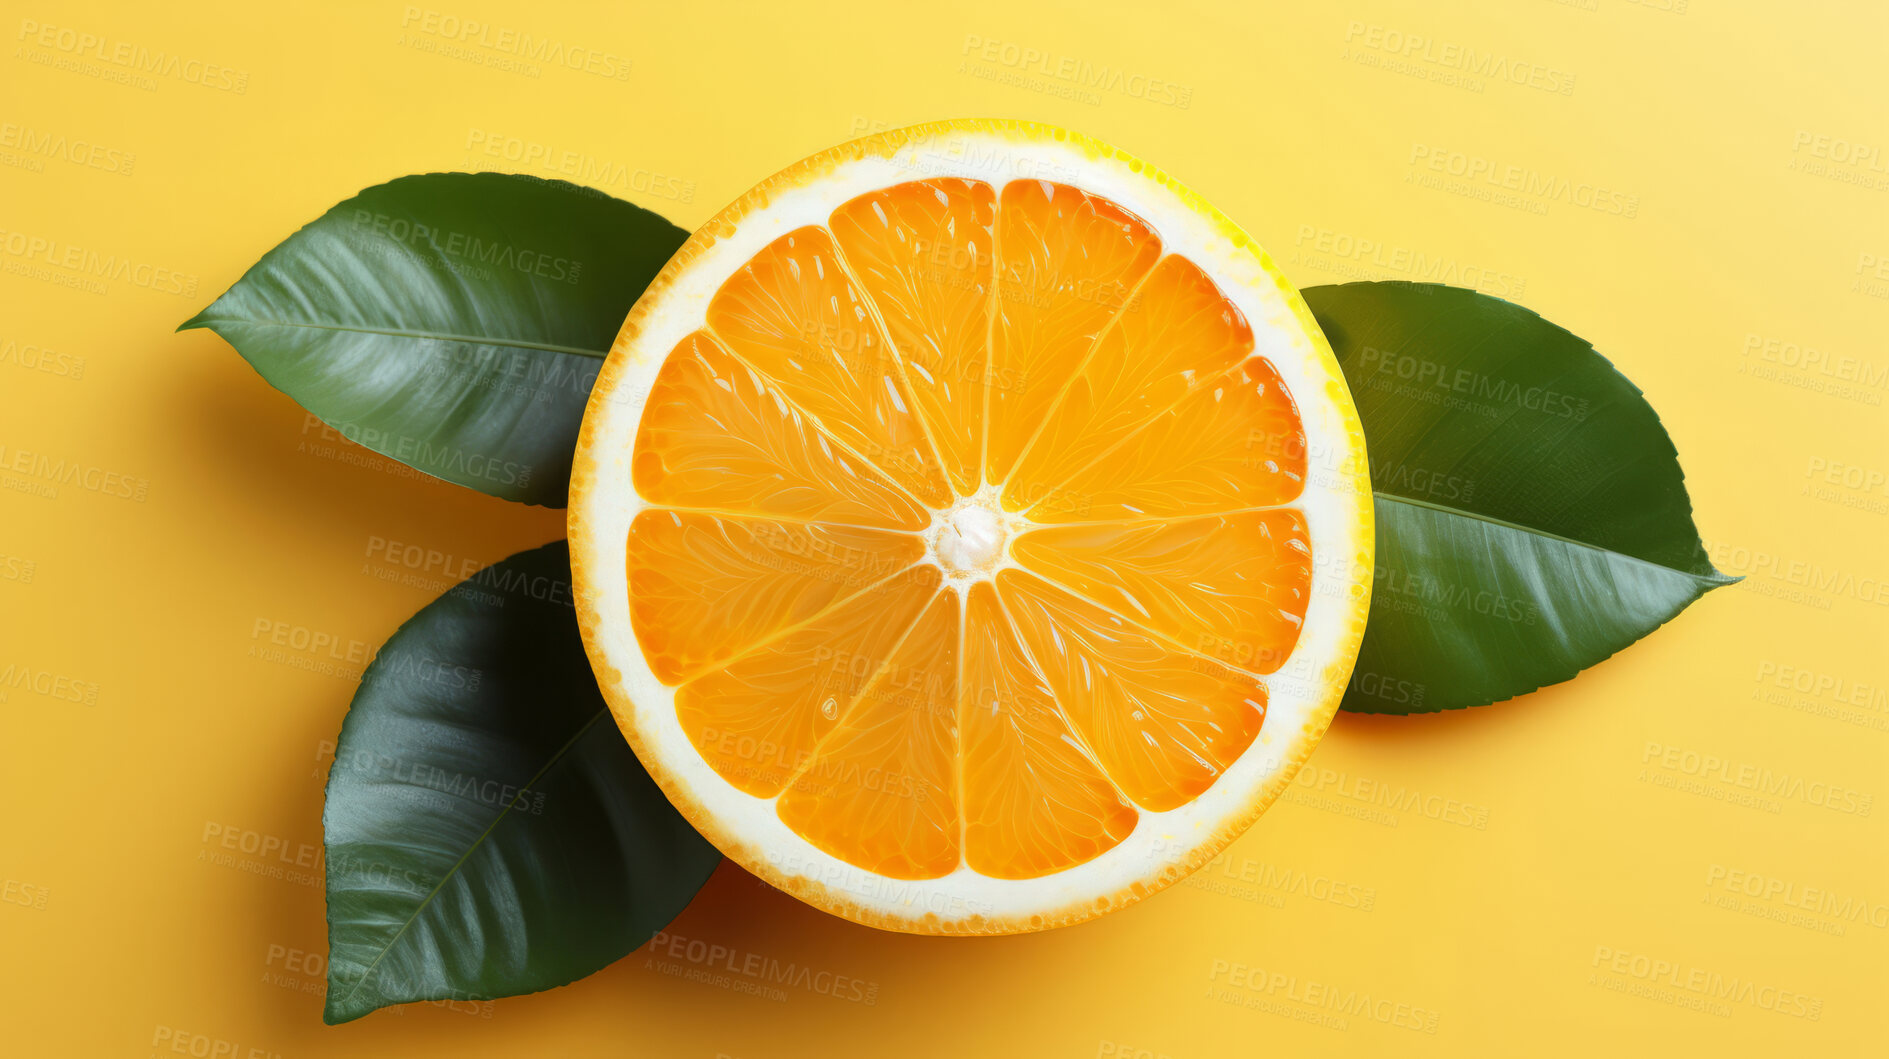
(1553, 876)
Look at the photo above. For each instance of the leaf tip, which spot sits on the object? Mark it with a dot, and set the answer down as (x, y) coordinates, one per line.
(343, 1002)
(338, 1009)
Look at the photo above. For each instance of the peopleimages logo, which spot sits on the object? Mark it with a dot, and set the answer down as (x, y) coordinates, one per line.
(1449, 55)
(89, 262)
(1848, 908)
(1715, 990)
(1840, 689)
(1396, 797)
(1073, 72)
(58, 686)
(53, 471)
(1757, 779)
(125, 57)
(414, 235)
(1324, 997)
(759, 968)
(1269, 878)
(1422, 372)
(576, 166)
(505, 41)
(39, 358)
(437, 458)
(1533, 184)
(78, 151)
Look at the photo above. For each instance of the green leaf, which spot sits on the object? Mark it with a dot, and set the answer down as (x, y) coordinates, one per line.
(1531, 515)
(488, 830)
(452, 321)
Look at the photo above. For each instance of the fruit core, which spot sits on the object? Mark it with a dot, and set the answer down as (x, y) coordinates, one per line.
(970, 539)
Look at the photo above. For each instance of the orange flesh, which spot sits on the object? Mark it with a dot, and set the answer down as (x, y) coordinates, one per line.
(1030, 345)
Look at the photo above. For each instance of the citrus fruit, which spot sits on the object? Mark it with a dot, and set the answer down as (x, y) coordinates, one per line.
(970, 529)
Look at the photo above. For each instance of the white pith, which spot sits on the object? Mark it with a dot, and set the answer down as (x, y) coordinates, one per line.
(970, 540)
(1299, 696)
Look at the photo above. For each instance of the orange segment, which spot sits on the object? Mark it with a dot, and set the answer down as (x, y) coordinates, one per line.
(922, 251)
(704, 588)
(1178, 334)
(1034, 802)
(715, 434)
(1232, 586)
(758, 721)
(1236, 442)
(881, 792)
(793, 315)
(1067, 262)
(1164, 724)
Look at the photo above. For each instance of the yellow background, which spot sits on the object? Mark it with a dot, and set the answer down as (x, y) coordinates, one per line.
(1750, 141)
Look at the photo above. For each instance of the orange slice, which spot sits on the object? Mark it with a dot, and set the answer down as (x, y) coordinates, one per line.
(970, 530)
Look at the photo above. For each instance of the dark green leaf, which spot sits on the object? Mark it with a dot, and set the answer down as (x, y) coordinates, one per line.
(488, 830)
(1531, 515)
(451, 321)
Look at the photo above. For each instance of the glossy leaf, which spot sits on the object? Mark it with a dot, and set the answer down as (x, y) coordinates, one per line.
(488, 830)
(1532, 518)
(452, 321)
